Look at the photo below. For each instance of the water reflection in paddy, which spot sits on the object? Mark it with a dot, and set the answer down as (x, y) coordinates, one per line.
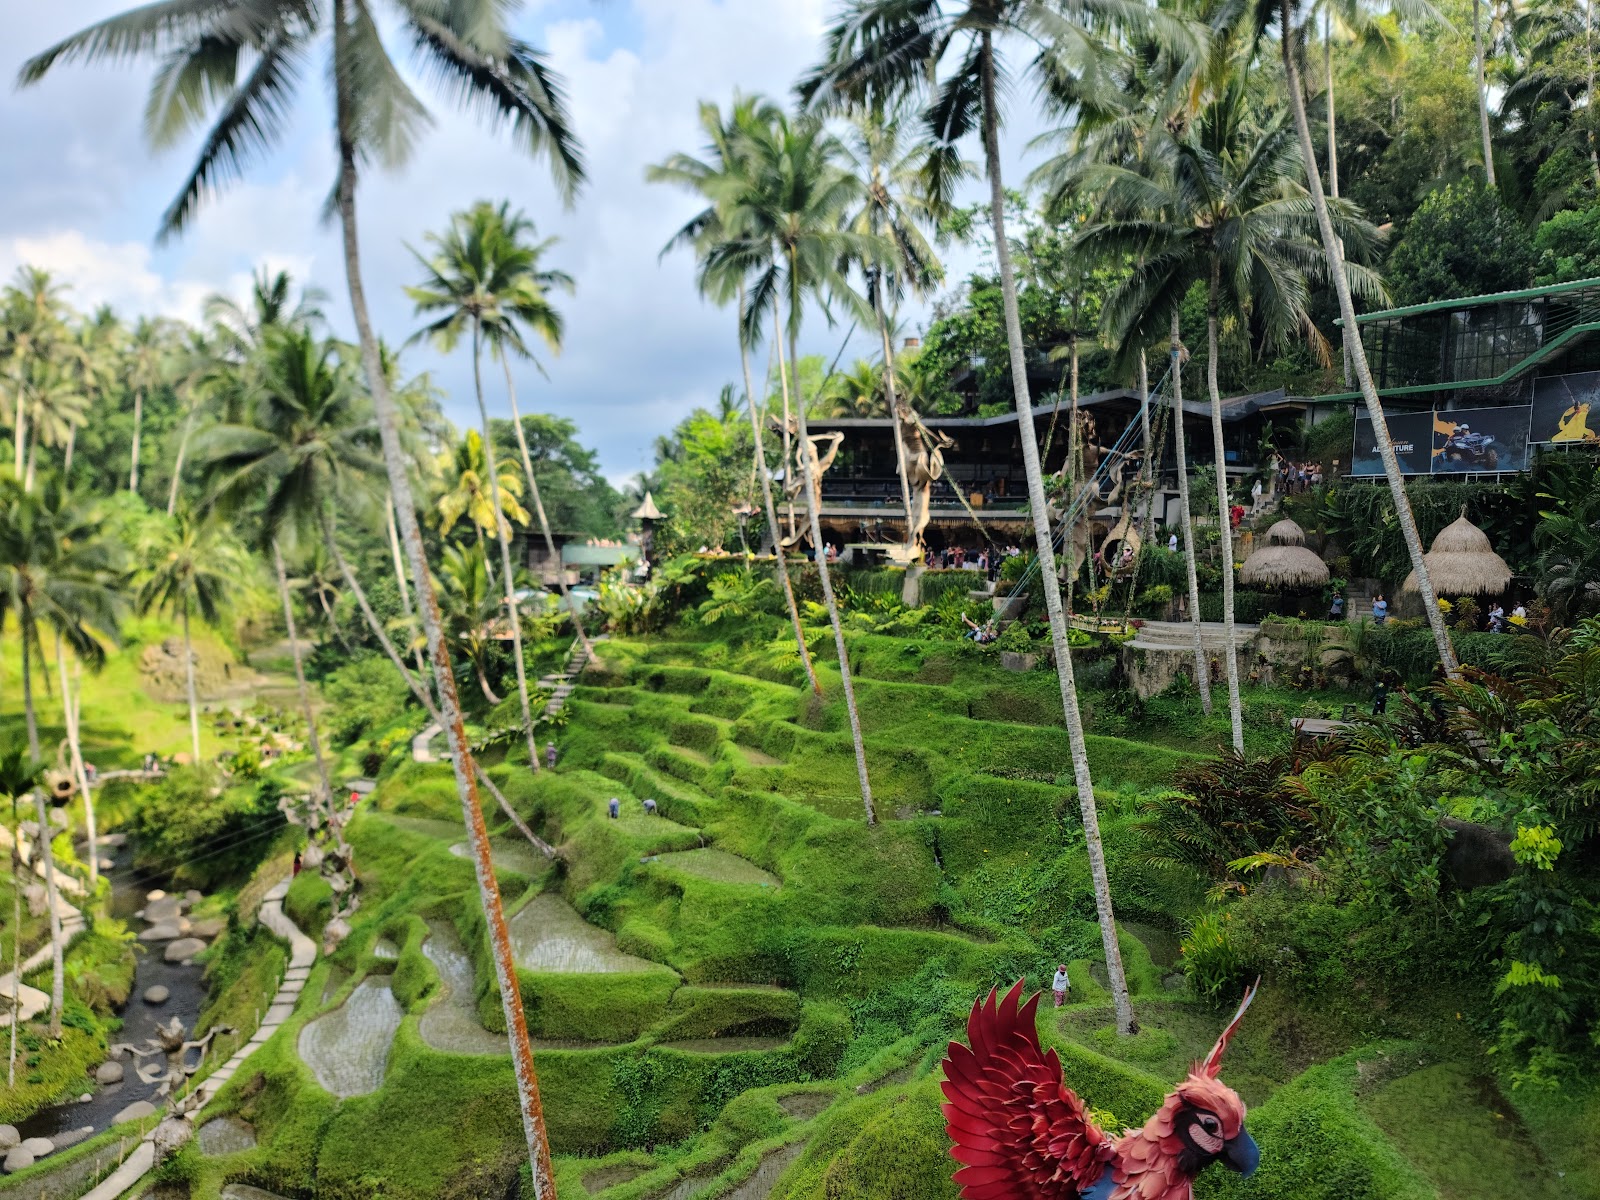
(719, 865)
(548, 935)
(348, 1048)
(452, 1024)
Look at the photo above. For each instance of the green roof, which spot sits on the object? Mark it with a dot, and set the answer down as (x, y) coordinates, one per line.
(1411, 310)
(573, 555)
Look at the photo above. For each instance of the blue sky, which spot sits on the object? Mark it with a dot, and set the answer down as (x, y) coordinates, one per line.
(83, 193)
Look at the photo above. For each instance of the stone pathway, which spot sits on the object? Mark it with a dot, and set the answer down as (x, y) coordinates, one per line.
(302, 954)
(421, 745)
(564, 681)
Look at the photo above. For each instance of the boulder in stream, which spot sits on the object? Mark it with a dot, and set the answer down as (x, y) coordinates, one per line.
(134, 1112)
(183, 949)
(73, 1136)
(156, 994)
(161, 931)
(109, 1072)
(207, 927)
(17, 1159)
(9, 1137)
(38, 1147)
(168, 908)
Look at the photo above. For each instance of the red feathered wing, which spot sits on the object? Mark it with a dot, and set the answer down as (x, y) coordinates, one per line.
(1020, 1132)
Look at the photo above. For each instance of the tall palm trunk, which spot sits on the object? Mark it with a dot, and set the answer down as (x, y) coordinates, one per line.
(811, 476)
(332, 618)
(72, 708)
(16, 943)
(772, 509)
(29, 633)
(312, 739)
(1202, 669)
(417, 683)
(177, 466)
(400, 580)
(45, 859)
(138, 428)
(188, 683)
(894, 410)
(1333, 160)
(542, 1176)
(19, 426)
(1230, 656)
(538, 508)
(1358, 354)
(72, 442)
(502, 535)
(1046, 548)
(1480, 70)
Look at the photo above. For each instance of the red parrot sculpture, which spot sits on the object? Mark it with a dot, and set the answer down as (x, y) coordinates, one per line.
(1023, 1135)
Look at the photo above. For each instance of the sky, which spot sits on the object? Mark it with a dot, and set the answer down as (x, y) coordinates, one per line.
(82, 195)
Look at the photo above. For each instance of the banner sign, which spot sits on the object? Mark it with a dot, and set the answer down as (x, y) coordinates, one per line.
(1480, 439)
(1412, 436)
(1566, 408)
(1457, 441)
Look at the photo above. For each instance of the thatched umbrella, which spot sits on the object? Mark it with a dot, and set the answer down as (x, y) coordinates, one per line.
(1284, 561)
(1463, 563)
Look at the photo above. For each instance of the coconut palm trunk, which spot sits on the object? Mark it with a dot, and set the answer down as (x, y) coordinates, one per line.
(1480, 71)
(72, 708)
(19, 426)
(312, 739)
(894, 409)
(400, 579)
(1046, 546)
(503, 536)
(45, 860)
(1202, 669)
(16, 943)
(1230, 655)
(542, 1174)
(1358, 352)
(177, 466)
(810, 478)
(538, 508)
(29, 638)
(771, 508)
(188, 682)
(138, 428)
(418, 685)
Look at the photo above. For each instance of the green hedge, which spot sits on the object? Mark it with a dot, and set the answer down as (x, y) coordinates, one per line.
(936, 585)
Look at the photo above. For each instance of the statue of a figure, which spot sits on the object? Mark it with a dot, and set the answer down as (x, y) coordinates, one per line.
(331, 855)
(924, 454)
(794, 474)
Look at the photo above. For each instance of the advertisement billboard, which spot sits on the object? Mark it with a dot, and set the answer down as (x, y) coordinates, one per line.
(1412, 436)
(1566, 409)
(1481, 439)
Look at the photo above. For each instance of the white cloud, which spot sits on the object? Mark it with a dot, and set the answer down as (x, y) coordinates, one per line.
(97, 272)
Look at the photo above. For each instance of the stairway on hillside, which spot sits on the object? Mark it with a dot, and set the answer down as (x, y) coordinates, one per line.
(1179, 635)
(565, 680)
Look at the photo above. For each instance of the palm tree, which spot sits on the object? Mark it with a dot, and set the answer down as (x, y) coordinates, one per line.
(1217, 206)
(93, 351)
(192, 564)
(468, 492)
(34, 324)
(306, 438)
(317, 578)
(858, 392)
(57, 570)
(713, 179)
(786, 212)
(470, 609)
(474, 279)
(145, 367)
(1334, 253)
(893, 209)
(57, 406)
(881, 50)
(377, 119)
(18, 776)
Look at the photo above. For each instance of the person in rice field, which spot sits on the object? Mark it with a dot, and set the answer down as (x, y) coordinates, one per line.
(1061, 985)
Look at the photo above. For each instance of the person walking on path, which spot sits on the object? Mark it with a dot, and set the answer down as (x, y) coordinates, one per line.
(1380, 698)
(1061, 985)
(1336, 609)
(1380, 609)
(550, 754)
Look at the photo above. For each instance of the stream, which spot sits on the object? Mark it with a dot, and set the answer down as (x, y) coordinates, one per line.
(187, 993)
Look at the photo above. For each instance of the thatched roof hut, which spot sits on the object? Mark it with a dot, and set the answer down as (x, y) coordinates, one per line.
(1283, 561)
(1463, 563)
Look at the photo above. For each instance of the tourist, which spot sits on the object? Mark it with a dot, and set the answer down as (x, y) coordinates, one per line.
(1255, 495)
(1497, 618)
(295, 869)
(1061, 985)
(550, 754)
(1127, 555)
(1235, 515)
(614, 808)
(1172, 543)
(1380, 698)
(1380, 609)
(649, 807)
(1336, 609)
(1519, 613)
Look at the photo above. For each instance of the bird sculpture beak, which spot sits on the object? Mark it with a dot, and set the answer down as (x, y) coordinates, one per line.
(1242, 1154)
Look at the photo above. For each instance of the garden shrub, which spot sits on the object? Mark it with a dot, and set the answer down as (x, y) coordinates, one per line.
(938, 584)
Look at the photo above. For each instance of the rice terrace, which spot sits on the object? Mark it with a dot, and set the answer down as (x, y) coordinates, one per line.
(804, 600)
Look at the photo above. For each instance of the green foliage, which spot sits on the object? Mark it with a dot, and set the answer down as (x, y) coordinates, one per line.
(1225, 810)
(193, 825)
(364, 696)
(1462, 241)
(1568, 245)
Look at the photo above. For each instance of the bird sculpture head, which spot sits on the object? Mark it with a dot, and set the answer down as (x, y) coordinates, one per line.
(1022, 1134)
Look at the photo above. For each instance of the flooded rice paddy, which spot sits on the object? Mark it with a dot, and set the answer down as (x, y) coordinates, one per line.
(348, 1048)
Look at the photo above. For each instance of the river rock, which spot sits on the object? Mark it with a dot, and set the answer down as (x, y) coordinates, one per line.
(17, 1159)
(193, 896)
(9, 1137)
(73, 1136)
(162, 931)
(155, 894)
(167, 908)
(183, 949)
(38, 1147)
(38, 901)
(58, 818)
(207, 927)
(112, 839)
(106, 864)
(109, 1072)
(134, 1111)
(156, 994)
